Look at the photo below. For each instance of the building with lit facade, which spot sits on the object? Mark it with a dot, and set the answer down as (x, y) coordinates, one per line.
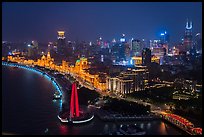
(127, 51)
(46, 61)
(136, 47)
(175, 51)
(17, 59)
(122, 39)
(81, 71)
(164, 38)
(32, 49)
(159, 52)
(61, 43)
(154, 43)
(128, 81)
(137, 61)
(188, 37)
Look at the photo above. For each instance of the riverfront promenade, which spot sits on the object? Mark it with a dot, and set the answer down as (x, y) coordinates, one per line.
(62, 86)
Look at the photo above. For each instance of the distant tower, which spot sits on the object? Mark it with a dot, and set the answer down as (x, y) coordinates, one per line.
(122, 39)
(74, 104)
(61, 43)
(188, 43)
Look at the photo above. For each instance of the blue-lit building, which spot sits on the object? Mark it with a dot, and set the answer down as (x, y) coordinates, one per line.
(122, 39)
(164, 38)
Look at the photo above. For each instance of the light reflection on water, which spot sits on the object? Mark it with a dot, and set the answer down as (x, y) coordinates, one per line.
(148, 125)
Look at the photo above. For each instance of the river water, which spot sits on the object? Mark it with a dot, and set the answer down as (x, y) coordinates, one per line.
(28, 108)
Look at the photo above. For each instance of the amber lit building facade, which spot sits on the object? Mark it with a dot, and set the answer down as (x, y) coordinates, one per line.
(128, 81)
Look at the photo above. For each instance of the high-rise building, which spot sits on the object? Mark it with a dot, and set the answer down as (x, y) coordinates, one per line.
(127, 51)
(61, 43)
(154, 44)
(188, 43)
(159, 51)
(122, 39)
(136, 47)
(144, 43)
(32, 49)
(122, 51)
(146, 56)
(164, 38)
(198, 42)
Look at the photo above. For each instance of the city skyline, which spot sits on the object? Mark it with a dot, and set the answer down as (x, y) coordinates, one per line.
(102, 68)
(88, 21)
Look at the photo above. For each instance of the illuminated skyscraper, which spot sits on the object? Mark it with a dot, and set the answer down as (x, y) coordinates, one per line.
(164, 38)
(188, 43)
(61, 43)
(122, 39)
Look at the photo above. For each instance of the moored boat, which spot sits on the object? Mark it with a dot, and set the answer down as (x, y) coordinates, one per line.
(57, 95)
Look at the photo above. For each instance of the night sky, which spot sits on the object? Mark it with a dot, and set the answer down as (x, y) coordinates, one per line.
(23, 21)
